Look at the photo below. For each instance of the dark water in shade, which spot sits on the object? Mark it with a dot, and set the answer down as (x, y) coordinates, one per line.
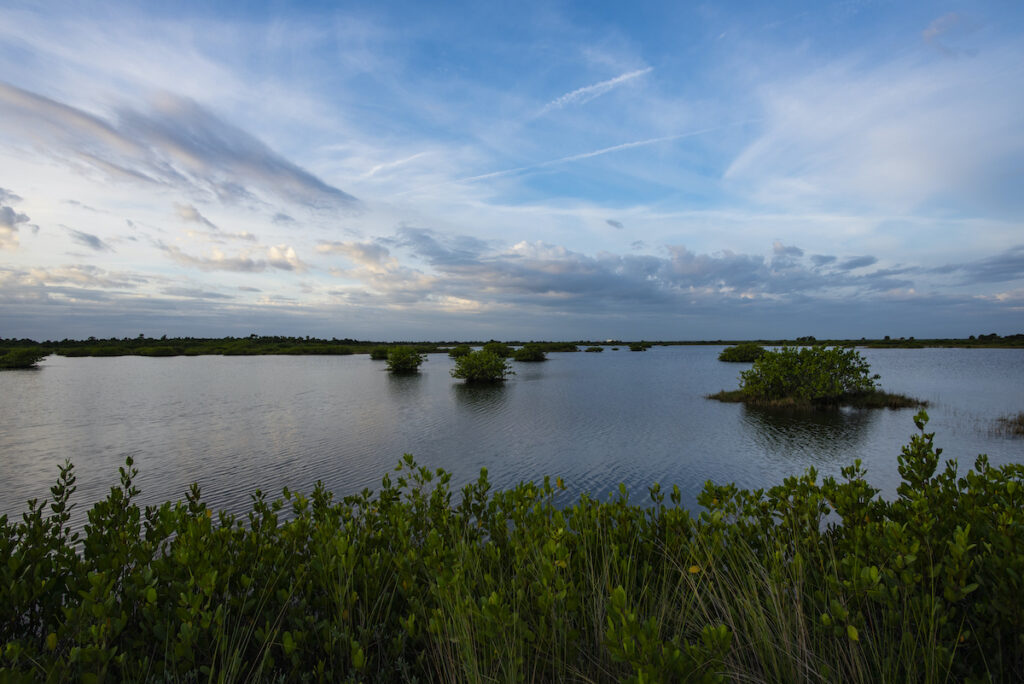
(237, 424)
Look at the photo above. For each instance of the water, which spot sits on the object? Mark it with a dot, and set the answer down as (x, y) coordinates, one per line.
(238, 424)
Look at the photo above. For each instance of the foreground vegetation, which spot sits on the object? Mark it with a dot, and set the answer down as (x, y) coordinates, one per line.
(805, 581)
(813, 377)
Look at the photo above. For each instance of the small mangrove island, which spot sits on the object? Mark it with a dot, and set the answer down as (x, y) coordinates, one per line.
(813, 377)
(742, 353)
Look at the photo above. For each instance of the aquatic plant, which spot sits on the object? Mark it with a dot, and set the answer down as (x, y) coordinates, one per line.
(481, 367)
(498, 349)
(459, 350)
(404, 360)
(1011, 425)
(530, 353)
(743, 353)
(379, 353)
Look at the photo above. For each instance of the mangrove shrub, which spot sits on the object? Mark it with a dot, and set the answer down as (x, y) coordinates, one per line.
(481, 366)
(404, 360)
(745, 352)
(459, 350)
(529, 352)
(379, 353)
(25, 357)
(498, 349)
(808, 374)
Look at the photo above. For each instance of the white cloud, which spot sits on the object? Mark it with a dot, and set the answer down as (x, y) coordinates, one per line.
(187, 212)
(176, 143)
(279, 257)
(10, 220)
(892, 137)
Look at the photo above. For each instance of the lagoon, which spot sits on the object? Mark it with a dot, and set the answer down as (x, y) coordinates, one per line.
(238, 424)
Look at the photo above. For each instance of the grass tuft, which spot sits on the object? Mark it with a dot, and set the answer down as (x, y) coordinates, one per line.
(1012, 425)
(873, 399)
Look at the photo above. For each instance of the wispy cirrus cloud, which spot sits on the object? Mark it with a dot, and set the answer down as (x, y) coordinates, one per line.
(175, 143)
(900, 134)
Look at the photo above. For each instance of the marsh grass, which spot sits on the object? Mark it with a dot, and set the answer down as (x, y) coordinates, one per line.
(1011, 425)
(873, 399)
(808, 580)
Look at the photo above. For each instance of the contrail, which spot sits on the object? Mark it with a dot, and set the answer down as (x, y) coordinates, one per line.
(588, 93)
(592, 153)
(581, 155)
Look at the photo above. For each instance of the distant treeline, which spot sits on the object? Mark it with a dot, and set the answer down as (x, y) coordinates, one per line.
(988, 340)
(274, 344)
(233, 346)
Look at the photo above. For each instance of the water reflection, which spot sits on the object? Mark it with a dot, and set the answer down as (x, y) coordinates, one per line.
(822, 436)
(481, 398)
(404, 385)
(528, 372)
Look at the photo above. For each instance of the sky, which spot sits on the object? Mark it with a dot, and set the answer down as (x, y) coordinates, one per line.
(477, 170)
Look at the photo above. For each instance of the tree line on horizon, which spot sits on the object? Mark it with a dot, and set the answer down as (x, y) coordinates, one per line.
(14, 352)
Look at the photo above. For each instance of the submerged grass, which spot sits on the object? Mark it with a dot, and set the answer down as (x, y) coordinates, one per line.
(1012, 425)
(805, 581)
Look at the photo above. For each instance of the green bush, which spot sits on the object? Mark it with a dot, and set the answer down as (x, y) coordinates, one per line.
(530, 353)
(639, 346)
(460, 350)
(745, 352)
(481, 366)
(498, 349)
(404, 360)
(808, 374)
(379, 353)
(806, 580)
(26, 357)
(594, 349)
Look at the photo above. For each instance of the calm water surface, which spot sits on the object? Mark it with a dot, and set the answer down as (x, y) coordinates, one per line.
(237, 424)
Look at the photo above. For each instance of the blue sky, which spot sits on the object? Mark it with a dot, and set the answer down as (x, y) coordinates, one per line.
(512, 170)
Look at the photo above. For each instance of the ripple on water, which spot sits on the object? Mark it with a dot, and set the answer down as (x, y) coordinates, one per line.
(235, 424)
